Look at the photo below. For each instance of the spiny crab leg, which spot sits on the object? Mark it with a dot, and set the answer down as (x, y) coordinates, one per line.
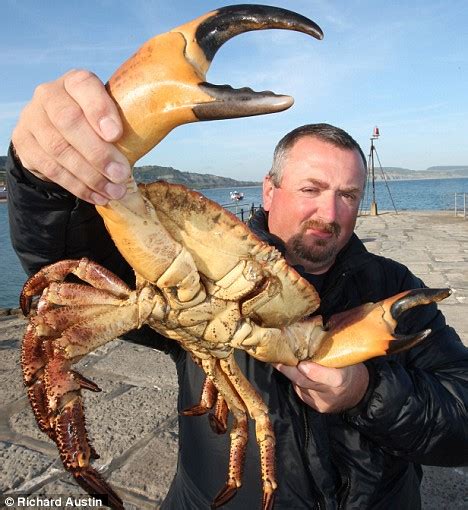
(209, 398)
(60, 413)
(218, 419)
(239, 431)
(258, 411)
(58, 337)
(87, 270)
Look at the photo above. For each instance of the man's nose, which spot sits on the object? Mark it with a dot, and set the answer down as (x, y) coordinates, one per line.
(327, 207)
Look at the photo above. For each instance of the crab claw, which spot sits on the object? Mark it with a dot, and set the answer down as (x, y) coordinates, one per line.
(368, 331)
(93, 483)
(163, 85)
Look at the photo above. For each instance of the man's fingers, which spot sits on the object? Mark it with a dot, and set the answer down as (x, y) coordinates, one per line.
(312, 376)
(328, 389)
(53, 171)
(298, 378)
(66, 158)
(65, 119)
(76, 112)
(67, 136)
(90, 94)
(332, 377)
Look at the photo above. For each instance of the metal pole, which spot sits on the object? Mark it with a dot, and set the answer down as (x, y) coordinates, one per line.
(373, 208)
(455, 203)
(464, 206)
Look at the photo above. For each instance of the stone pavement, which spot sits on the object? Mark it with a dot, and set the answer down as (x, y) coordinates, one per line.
(133, 422)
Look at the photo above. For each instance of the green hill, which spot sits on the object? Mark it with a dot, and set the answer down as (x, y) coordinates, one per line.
(190, 179)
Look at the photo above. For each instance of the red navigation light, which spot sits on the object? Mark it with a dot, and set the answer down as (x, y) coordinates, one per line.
(376, 132)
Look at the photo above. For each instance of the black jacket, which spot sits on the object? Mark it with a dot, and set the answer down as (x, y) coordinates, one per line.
(414, 411)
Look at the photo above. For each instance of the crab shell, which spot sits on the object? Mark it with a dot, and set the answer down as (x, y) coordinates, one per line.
(217, 240)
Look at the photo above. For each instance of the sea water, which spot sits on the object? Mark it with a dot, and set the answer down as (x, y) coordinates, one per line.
(434, 194)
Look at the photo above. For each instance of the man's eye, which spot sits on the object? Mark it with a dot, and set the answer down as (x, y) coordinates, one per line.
(350, 197)
(310, 190)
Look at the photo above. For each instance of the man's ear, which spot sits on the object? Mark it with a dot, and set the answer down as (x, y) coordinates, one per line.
(268, 190)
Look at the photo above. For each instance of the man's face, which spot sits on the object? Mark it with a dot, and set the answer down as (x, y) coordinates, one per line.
(315, 207)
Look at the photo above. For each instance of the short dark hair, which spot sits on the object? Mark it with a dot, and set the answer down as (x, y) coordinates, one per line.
(325, 132)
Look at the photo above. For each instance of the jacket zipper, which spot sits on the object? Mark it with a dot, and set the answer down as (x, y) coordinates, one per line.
(319, 495)
(344, 491)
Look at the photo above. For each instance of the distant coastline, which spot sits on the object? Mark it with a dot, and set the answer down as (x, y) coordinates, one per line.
(433, 172)
(195, 180)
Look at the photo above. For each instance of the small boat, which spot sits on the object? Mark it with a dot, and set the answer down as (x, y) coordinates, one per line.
(236, 195)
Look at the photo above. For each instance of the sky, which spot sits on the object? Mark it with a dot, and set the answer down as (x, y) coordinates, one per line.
(400, 65)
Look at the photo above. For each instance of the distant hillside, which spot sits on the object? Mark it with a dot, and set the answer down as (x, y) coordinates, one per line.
(190, 179)
(200, 181)
(433, 172)
(2, 169)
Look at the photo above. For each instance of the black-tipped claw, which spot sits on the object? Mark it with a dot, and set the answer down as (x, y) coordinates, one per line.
(224, 495)
(92, 482)
(85, 383)
(197, 410)
(417, 297)
(230, 103)
(404, 342)
(232, 20)
(25, 303)
(268, 500)
(226, 23)
(217, 426)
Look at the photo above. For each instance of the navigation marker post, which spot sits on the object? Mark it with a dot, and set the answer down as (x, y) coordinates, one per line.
(371, 168)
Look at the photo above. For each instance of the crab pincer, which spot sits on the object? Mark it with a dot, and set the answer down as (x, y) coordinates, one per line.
(369, 330)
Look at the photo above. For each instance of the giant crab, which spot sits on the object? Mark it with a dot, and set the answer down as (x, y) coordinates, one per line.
(202, 278)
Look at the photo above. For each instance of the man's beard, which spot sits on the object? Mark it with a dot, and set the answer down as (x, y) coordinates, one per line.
(321, 251)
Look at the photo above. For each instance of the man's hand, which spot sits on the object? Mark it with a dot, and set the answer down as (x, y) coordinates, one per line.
(65, 135)
(328, 390)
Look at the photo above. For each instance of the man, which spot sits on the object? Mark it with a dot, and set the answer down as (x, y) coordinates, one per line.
(346, 438)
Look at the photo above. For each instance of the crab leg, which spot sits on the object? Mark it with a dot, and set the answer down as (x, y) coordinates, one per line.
(87, 270)
(258, 411)
(218, 419)
(64, 425)
(54, 389)
(239, 430)
(208, 398)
